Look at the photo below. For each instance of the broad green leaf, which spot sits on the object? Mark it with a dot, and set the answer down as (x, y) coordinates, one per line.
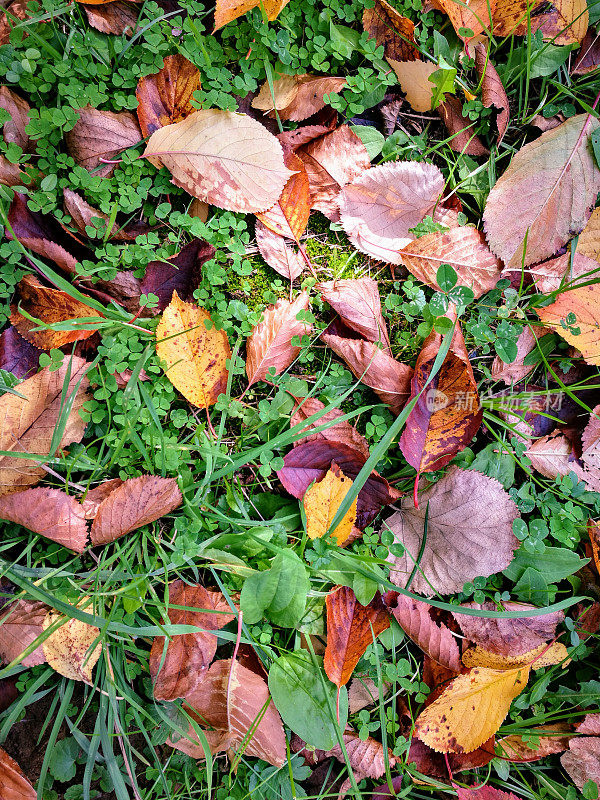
(555, 564)
(279, 592)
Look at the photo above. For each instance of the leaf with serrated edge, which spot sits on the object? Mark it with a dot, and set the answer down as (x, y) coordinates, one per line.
(289, 216)
(13, 783)
(582, 761)
(584, 303)
(228, 10)
(21, 624)
(49, 512)
(538, 658)
(436, 640)
(165, 97)
(342, 432)
(321, 503)
(358, 304)
(278, 252)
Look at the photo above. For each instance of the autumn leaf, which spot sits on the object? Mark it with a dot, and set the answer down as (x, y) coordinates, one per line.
(20, 625)
(553, 455)
(582, 761)
(228, 10)
(461, 129)
(17, 355)
(27, 423)
(542, 742)
(132, 504)
(469, 533)
(228, 160)
(351, 628)
(588, 57)
(342, 432)
(580, 307)
(165, 97)
(321, 502)
(92, 499)
(468, 19)
(49, 512)
(296, 97)
(270, 349)
(588, 243)
(546, 192)
(590, 440)
(565, 22)
(182, 273)
(590, 724)
(464, 249)
(566, 268)
(188, 655)
(13, 783)
(517, 370)
(470, 709)
(413, 77)
(380, 206)
(357, 302)
(447, 414)
(99, 135)
(289, 216)
(538, 658)
(392, 31)
(118, 17)
(195, 356)
(68, 649)
(13, 130)
(493, 92)
(485, 792)
(83, 215)
(278, 252)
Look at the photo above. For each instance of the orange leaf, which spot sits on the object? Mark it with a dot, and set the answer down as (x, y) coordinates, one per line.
(472, 15)
(358, 304)
(289, 216)
(13, 784)
(564, 22)
(584, 333)
(392, 31)
(228, 10)
(321, 503)
(166, 97)
(49, 512)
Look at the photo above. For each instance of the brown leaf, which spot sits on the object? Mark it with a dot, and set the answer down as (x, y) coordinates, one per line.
(13, 783)
(565, 269)
(27, 425)
(588, 243)
(563, 22)
(357, 302)
(269, 346)
(228, 10)
(331, 162)
(508, 637)
(413, 77)
(49, 512)
(136, 502)
(278, 252)
(310, 462)
(182, 273)
(485, 792)
(124, 288)
(351, 628)
(590, 441)
(544, 195)
(83, 214)
(428, 762)
(389, 379)
(165, 97)
(342, 432)
(590, 725)
(16, 9)
(118, 17)
(526, 344)
(553, 455)
(296, 97)
(392, 31)
(415, 619)
(70, 649)
(11, 174)
(493, 92)
(584, 334)
(469, 533)
(462, 248)
(14, 129)
(551, 739)
(582, 761)
(379, 207)
(473, 16)
(50, 306)
(588, 57)
(17, 355)
(99, 135)
(366, 757)
(460, 128)
(364, 692)
(289, 216)
(94, 497)
(448, 414)
(188, 655)
(21, 625)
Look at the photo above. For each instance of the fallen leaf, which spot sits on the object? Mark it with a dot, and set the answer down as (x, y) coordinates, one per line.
(132, 504)
(517, 370)
(289, 216)
(351, 628)
(470, 18)
(49, 512)
(124, 288)
(389, 379)
(582, 762)
(278, 252)
(564, 22)
(588, 57)
(448, 414)
(493, 92)
(463, 138)
(195, 356)
(379, 207)
(165, 97)
(553, 455)
(357, 302)
(118, 17)
(485, 792)
(392, 31)
(13, 783)
(364, 692)
(228, 160)
(539, 743)
(94, 497)
(321, 502)
(565, 269)
(198, 209)
(284, 89)
(68, 649)
(332, 161)
(583, 304)
(588, 243)
(182, 273)
(342, 432)
(11, 174)
(51, 306)
(538, 658)
(13, 130)
(311, 461)
(17, 355)
(511, 636)
(297, 97)
(469, 533)
(27, 425)
(270, 347)
(188, 655)
(590, 725)
(464, 249)
(413, 77)
(21, 624)
(590, 441)
(16, 9)
(437, 641)
(100, 136)
(545, 194)
(83, 215)
(228, 10)
(470, 709)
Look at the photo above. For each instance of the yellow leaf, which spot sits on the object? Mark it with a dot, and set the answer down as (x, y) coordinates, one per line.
(414, 82)
(471, 709)
(553, 654)
(588, 243)
(583, 306)
(67, 649)
(321, 503)
(195, 357)
(228, 10)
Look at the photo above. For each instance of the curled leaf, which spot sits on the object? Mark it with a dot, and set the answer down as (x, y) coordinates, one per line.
(49, 512)
(358, 304)
(166, 97)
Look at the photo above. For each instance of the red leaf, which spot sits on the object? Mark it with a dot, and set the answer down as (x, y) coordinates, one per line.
(17, 355)
(181, 273)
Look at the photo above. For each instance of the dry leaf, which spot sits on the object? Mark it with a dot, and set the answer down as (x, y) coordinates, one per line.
(17, 355)
(413, 77)
(485, 792)
(462, 248)
(21, 624)
(470, 709)
(553, 455)
(132, 504)
(188, 655)
(11, 174)
(469, 533)
(195, 357)
(13, 130)
(544, 195)
(285, 89)
(297, 97)
(358, 304)
(566, 268)
(278, 252)
(380, 206)
(269, 346)
(118, 17)
(464, 139)
(389, 379)
(228, 160)
(492, 89)
(588, 57)
(49, 512)
(582, 761)
(526, 343)
(166, 97)
(83, 214)
(228, 10)
(584, 333)
(392, 31)
(588, 243)
(448, 413)
(27, 425)
(342, 432)
(550, 739)
(94, 497)
(182, 273)
(13, 783)
(351, 628)
(100, 136)
(321, 503)
(472, 15)
(590, 441)
(538, 658)
(364, 692)
(289, 216)
(590, 725)
(68, 648)
(564, 22)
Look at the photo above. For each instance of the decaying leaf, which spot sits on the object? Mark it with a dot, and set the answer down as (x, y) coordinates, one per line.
(94, 497)
(538, 658)
(470, 18)
(49, 512)
(590, 441)
(564, 22)
(358, 304)
(118, 17)
(100, 136)
(228, 10)
(588, 243)
(588, 57)
(583, 303)
(13, 130)
(392, 31)
(13, 783)
(380, 206)
(27, 425)
(351, 628)
(461, 129)
(195, 356)
(181, 273)
(228, 160)
(485, 792)
(166, 97)
(469, 533)
(270, 346)
(188, 655)
(83, 215)
(493, 92)
(413, 77)
(321, 503)
(564, 269)
(539, 743)
(133, 503)
(17, 355)
(20, 625)
(342, 432)
(553, 455)
(289, 216)
(68, 649)
(545, 194)
(470, 709)
(297, 97)
(278, 252)
(517, 370)
(582, 761)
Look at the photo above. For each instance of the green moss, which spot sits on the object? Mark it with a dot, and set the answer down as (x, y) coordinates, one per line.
(256, 289)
